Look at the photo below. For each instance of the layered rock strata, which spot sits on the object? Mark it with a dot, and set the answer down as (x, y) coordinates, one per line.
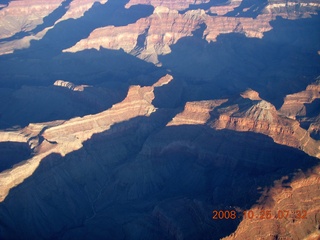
(250, 113)
(299, 201)
(68, 136)
(295, 104)
(24, 16)
(195, 113)
(70, 85)
(150, 37)
(176, 5)
(77, 8)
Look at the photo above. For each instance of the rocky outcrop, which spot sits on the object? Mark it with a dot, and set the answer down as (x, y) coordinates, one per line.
(221, 10)
(299, 199)
(24, 16)
(195, 113)
(249, 113)
(77, 8)
(262, 117)
(70, 85)
(150, 37)
(292, 9)
(176, 5)
(295, 104)
(65, 137)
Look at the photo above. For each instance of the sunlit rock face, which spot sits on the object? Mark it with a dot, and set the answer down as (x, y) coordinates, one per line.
(176, 5)
(138, 119)
(24, 16)
(150, 37)
(299, 200)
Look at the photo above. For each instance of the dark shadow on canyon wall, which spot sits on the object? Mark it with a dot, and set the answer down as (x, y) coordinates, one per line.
(285, 61)
(141, 180)
(47, 22)
(249, 8)
(27, 75)
(12, 153)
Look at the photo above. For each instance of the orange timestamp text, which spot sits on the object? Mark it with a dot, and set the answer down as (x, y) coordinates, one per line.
(261, 214)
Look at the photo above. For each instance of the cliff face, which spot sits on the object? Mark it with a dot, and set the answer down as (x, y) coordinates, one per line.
(295, 104)
(250, 113)
(77, 8)
(147, 38)
(68, 136)
(69, 85)
(153, 161)
(299, 197)
(24, 16)
(150, 37)
(175, 5)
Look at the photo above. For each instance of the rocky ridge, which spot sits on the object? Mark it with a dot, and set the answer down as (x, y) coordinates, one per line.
(77, 8)
(24, 16)
(299, 197)
(152, 36)
(65, 137)
(166, 26)
(295, 104)
(175, 5)
(70, 85)
(250, 113)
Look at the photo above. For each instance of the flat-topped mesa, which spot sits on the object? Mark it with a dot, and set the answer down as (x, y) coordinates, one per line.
(24, 15)
(294, 104)
(77, 8)
(70, 85)
(171, 4)
(195, 113)
(296, 204)
(68, 136)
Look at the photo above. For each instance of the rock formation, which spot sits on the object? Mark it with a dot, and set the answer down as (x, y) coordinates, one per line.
(250, 113)
(65, 137)
(295, 104)
(150, 37)
(175, 5)
(69, 85)
(299, 201)
(77, 8)
(195, 113)
(24, 16)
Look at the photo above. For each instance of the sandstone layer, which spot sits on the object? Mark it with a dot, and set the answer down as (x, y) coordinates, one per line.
(295, 104)
(77, 8)
(250, 113)
(63, 138)
(70, 85)
(176, 5)
(24, 16)
(299, 197)
(150, 37)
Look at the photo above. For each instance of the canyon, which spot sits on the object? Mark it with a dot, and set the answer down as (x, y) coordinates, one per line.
(138, 119)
